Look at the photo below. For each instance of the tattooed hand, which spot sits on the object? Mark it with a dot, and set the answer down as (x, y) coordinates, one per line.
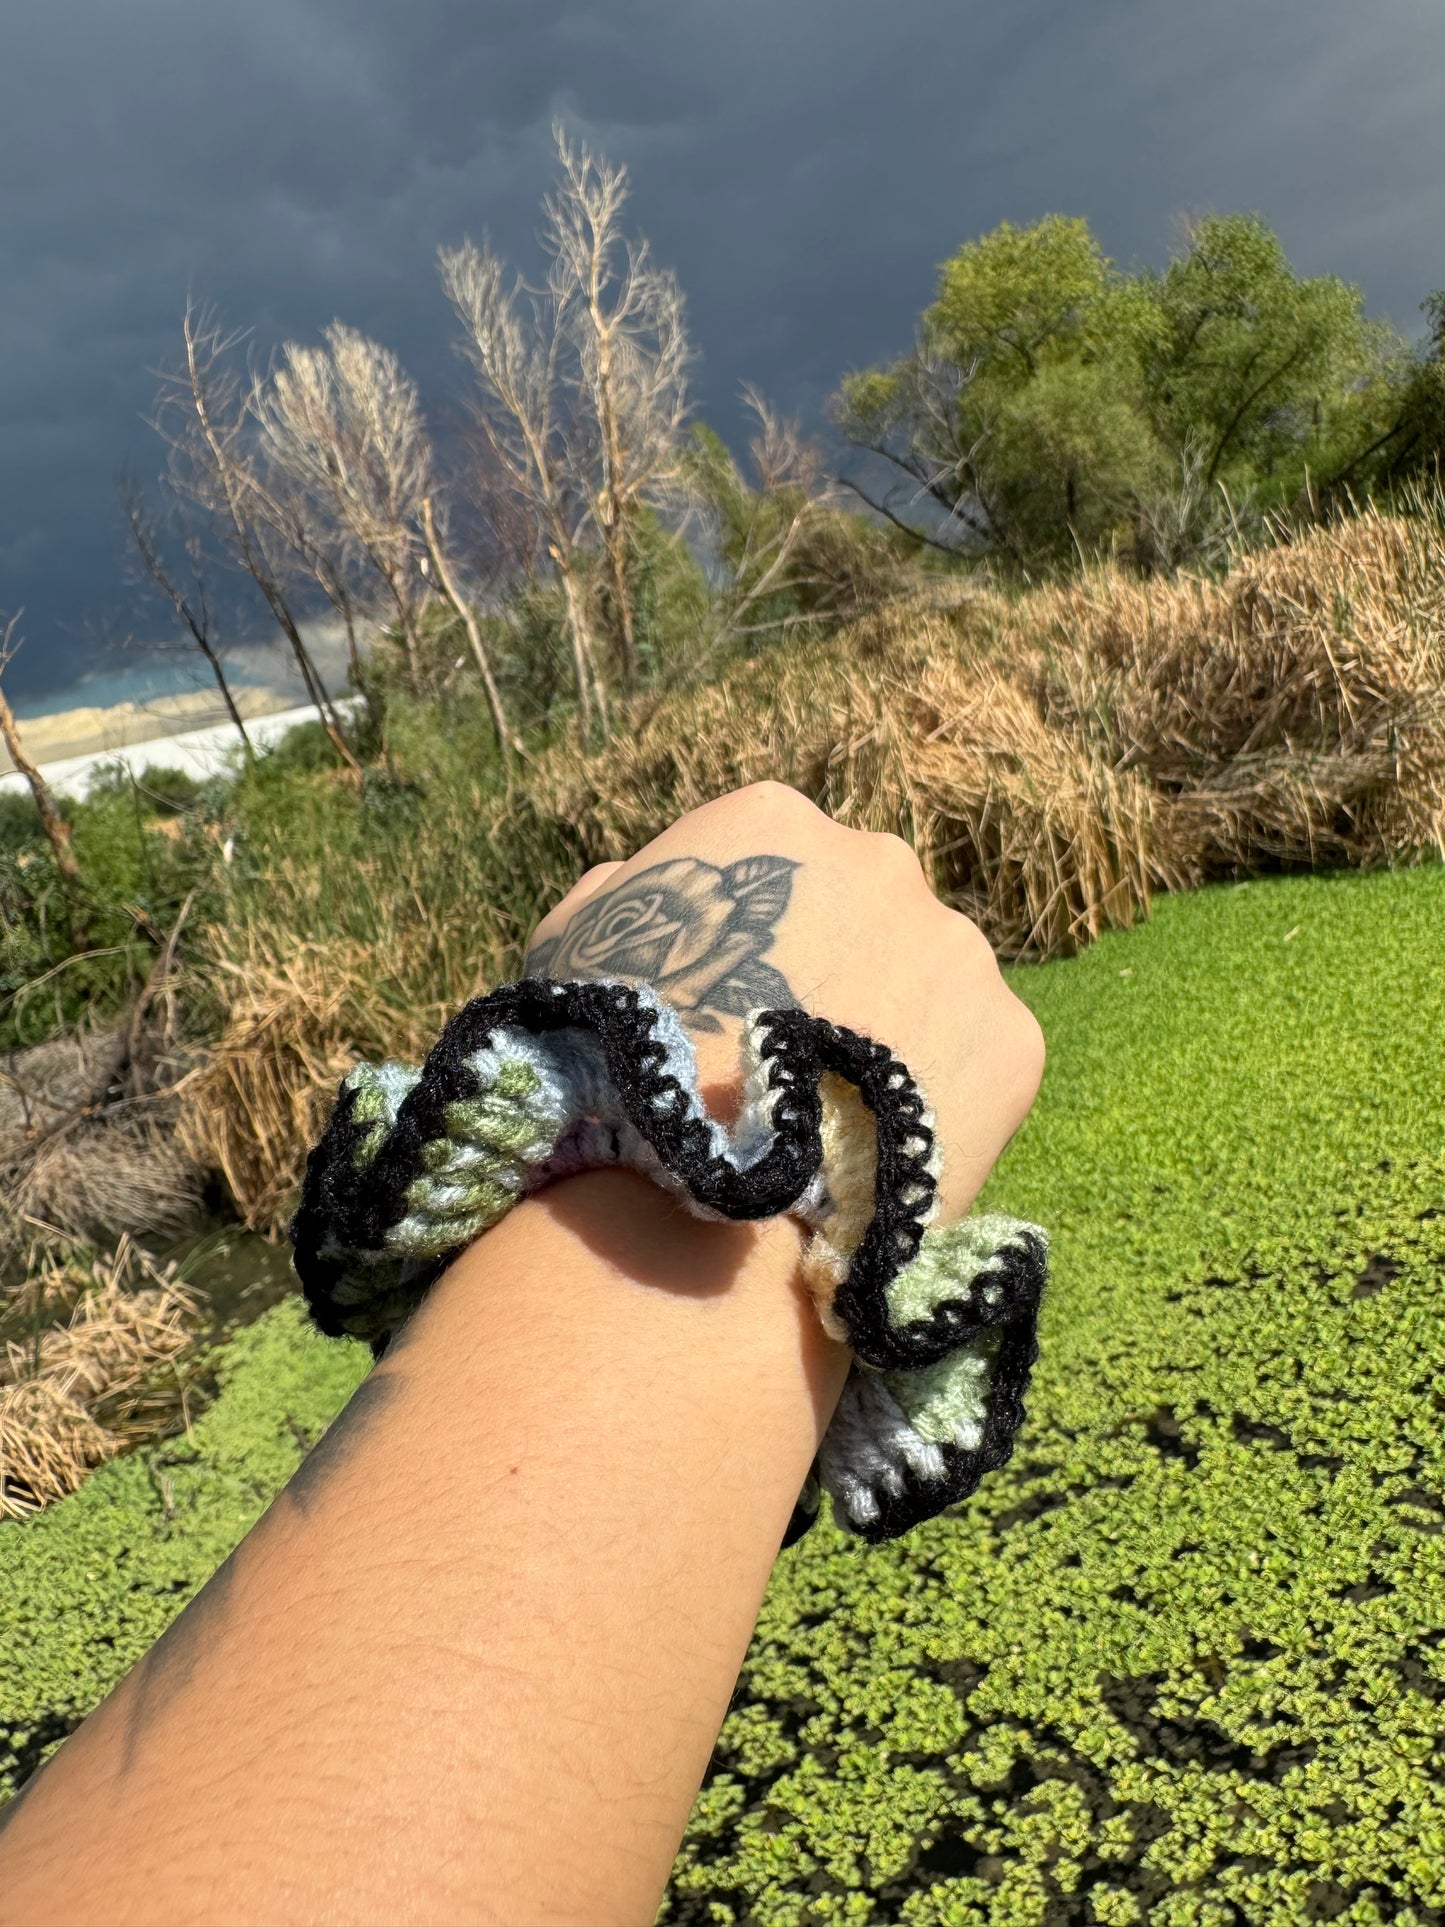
(759, 900)
(695, 932)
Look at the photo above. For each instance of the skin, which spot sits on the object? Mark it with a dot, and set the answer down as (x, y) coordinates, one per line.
(471, 1663)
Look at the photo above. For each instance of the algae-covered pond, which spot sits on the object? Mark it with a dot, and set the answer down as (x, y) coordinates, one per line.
(1180, 1662)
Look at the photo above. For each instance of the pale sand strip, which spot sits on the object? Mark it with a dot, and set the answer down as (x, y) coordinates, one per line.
(80, 732)
(199, 752)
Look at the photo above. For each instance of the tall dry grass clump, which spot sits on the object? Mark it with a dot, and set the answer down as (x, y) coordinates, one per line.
(908, 723)
(78, 1156)
(336, 955)
(76, 1390)
(1055, 757)
(1289, 714)
(294, 1026)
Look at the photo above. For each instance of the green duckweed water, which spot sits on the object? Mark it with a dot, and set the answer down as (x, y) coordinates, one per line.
(1183, 1661)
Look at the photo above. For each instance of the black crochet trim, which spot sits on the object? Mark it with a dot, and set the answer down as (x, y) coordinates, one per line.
(344, 1210)
(923, 1498)
(904, 1188)
(1020, 1272)
(804, 1518)
(347, 1210)
(1016, 1278)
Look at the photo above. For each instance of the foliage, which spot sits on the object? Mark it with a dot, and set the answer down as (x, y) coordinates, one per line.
(1179, 1662)
(1268, 373)
(789, 562)
(1057, 407)
(1414, 445)
(670, 605)
(19, 822)
(71, 955)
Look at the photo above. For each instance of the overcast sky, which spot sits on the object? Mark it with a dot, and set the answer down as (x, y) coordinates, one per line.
(804, 164)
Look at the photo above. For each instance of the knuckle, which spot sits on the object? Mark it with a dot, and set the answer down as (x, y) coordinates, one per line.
(1027, 1041)
(777, 799)
(777, 795)
(897, 850)
(970, 935)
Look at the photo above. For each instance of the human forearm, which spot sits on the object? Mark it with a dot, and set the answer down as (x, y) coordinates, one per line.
(495, 1621)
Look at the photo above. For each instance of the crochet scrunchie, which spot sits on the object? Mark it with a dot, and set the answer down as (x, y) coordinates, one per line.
(540, 1080)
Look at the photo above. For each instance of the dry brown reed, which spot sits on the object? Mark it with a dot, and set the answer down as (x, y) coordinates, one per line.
(294, 1026)
(79, 1159)
(402, 941)
(1290, 714)
(1056, 757)
(79, 1388)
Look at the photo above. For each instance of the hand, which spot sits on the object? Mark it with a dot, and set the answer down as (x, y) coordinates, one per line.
(758, 901)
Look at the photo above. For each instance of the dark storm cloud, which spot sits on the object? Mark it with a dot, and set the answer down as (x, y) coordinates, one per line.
(803, 163)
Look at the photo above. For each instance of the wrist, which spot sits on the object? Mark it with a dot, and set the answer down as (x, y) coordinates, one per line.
(610, 1251)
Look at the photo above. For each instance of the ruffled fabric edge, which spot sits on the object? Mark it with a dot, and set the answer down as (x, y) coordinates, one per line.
(541, 1079)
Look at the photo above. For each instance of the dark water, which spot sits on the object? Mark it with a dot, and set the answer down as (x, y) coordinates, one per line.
(236, 1273)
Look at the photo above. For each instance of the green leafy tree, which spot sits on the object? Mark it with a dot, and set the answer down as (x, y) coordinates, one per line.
(1056, 408)
(1017, 418)
(1411, 445)
(1265, 372)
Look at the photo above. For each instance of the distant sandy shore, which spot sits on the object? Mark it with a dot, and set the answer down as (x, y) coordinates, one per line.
(72, 733)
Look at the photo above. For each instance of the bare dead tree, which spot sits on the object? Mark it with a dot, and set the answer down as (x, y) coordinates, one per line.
(202, 414)
(57, 830)
(504, 542)
(583, 396)
(321, 556)
(191, 604)
(624, 316)
(507, 743)
(516, 357)
(343, 422)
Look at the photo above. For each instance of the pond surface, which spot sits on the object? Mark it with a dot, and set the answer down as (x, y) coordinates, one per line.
(236, 1273)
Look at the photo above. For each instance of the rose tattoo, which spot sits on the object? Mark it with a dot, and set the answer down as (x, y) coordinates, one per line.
(694, 932)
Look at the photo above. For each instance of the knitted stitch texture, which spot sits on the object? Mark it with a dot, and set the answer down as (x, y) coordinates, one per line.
(540, 1079)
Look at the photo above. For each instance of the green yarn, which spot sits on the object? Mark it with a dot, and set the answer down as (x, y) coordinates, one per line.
(517, 1080)
(372, 1105)
(945, 1401)
(473, 1175)
(949, 1259)
(502, 1125)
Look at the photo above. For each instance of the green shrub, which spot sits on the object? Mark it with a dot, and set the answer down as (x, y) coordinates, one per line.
(1181, 1662)
(71, 954)
(19, 821)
